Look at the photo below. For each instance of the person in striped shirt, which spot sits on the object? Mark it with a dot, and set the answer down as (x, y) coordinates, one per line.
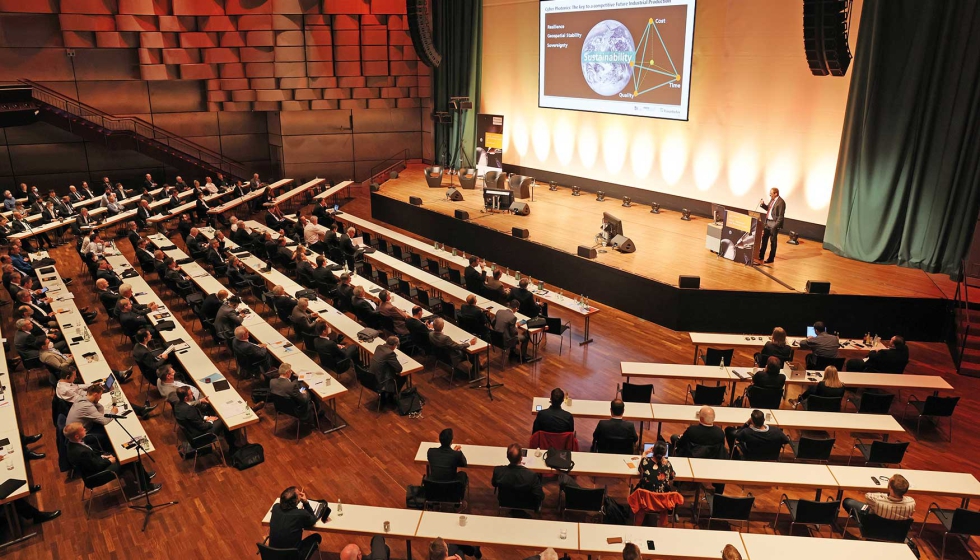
(894, 505)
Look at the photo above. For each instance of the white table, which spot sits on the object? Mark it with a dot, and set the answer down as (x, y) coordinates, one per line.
(781, 547)
(765, 474)
(812, 420)
(721, 339)
(290, 194)
(688, 414)
(176, 212)
(581, 408)
(936, 483)
(686, 544)
(335, 189)
(13, 454)
(652, 370)
(236, 202)
(486, 530)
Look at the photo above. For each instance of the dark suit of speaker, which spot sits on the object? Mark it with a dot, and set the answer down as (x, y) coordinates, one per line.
(623, 244)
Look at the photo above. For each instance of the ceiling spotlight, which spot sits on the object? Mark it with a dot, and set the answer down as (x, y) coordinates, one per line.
(576, 191)
(794, 238)
(686, 215)
(600, 196)
(627, 201)
(655, 208)
(553, 186)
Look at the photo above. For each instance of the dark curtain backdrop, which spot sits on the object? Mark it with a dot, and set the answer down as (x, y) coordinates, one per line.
(457, 27)
(907, 187)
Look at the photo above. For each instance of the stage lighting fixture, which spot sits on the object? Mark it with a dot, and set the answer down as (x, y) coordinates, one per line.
(794, 238)
(686, 215)
(600, 196)
(553, 186)
(655, 208)
(627, 201)
(576, 191)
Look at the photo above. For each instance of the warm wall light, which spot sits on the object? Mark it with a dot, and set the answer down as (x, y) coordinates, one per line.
(553, 186)
(576, 191)
(627, 201)
(600, 196)
(794, 238)
(686, 215)
(655, 208)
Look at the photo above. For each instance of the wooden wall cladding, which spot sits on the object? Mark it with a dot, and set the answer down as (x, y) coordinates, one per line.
(269, 55)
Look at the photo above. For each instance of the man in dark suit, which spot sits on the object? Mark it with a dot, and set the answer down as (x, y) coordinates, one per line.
(703, 440)
(180, 184)
(525, 298)
(83, 222)
(516, 477)
(216, 259)
(107, 295)
(274, 218)
(554, 419)
(195, 242)
(341, 355)
(148, 183)
(474, 279)
(322, 273)
(211, 304)
(228, 318)
(345, 292)
(88, 461)
(289, 521)
(363, 309)
(105, 272)
(456, 350)
(417, 330)
(775, 212)
(159, 263)
(173, 200)
(132, 233)
(130, 320)
(201, 207)
(446, 460)
(75, 195)
(149, 360)
(175, 275)
(754, 436)
(322, 213)
(194, 422)
(298, 392)
(505, 321)
(473, 318)
(247, 352)
(143, 214)
(892, 359)
(386, 367)
(614, 427)
(143, 254)
(348, 248)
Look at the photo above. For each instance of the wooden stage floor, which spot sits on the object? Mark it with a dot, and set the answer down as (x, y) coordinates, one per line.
(668, 247)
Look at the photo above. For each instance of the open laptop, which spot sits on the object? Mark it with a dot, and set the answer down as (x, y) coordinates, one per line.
(810, 332)
(648, 446)
(110, 382)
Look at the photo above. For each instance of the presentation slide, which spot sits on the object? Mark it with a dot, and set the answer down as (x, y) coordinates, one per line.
(628, 57)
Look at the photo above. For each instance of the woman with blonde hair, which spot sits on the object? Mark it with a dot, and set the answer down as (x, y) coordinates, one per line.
(775, 347)
(830, 386)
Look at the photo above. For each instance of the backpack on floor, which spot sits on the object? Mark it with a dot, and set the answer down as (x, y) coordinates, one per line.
(410, 402)
(615, 513)
(247, 456)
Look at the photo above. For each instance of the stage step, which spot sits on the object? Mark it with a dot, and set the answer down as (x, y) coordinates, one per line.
(971, 356)
(970, 370)
(973, 341)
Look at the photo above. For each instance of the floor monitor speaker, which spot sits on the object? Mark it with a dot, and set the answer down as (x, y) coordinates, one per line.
(415, 201)
(587, 252)
(689, 282)
(462, 215)
(815, 287)
(623, 244)
(522, 233)
(520, 208)
(454, 195)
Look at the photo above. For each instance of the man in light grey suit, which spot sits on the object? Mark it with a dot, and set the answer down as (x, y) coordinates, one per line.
(505, 321)
(775, 212)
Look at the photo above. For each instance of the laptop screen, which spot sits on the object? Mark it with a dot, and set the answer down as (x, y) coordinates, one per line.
(810, 332)
(109, 382)
(648, 446)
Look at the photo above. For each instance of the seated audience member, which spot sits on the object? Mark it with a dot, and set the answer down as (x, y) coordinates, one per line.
(554, 419)
(176, 276)
(473, 318)
(894, 504)
(91, 414)
(212, 303)
(386, 367)
(754, 436)
(326, 346)
(703, 440)
(248, 352)
(474, 279)
(829, 386)
(776, 346)
(824, 344)
(132, 321)
(228, 318)
(303, 318)
(282, 385)
(54, 359)
(67, 389)
(88, 461)
(363, 308)
(148, 360)
(379, 550)
(771, 376)
(126, 292)
(168, 385)
(515, 476)
(289, 521)
(397, 316)
(656, 475)
(193, 421)
(456, 350)
(892, 359)
(440, 550)
(505, 321)
(614, 428)
(446, 460)
(528, 306)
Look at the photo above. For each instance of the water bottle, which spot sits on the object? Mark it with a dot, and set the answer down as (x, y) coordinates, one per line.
(88, 335)
(340, 508)
(517, 275)
(561, 294)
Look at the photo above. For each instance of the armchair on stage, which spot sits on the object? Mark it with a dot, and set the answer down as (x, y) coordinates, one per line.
(468, 177)
(433, 176)
(495, 180)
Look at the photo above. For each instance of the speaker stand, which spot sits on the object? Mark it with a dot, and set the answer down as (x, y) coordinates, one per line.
(488, 385)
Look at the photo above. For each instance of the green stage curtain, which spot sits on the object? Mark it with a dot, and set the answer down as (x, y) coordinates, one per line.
(457, 32)
(907, 187)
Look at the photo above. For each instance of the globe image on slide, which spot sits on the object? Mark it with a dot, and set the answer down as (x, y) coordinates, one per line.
(606, 55)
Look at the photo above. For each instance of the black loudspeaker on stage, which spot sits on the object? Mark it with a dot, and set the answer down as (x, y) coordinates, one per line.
(462, 215)
(518, 232)
(689, 282)
(623, 244)
(587, 252)
(816, 287)
(415, 201)
(520, 208)
(454, 195)
(420, 28)
(825, 36)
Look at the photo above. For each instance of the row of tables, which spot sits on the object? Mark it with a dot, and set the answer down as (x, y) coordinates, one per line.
(85, 203)
(699, 339)
(14, 464)
(588, 538)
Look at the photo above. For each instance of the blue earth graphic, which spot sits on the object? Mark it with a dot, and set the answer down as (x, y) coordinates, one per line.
(606, 53)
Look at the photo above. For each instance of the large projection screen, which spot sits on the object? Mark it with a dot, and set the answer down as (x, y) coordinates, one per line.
(626, 57)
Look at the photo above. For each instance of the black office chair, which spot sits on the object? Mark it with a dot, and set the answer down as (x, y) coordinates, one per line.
(880, 452)
(330, 364)
(617, 446)
(557, 327)
(714, 356)
(706, 395)
(98, 480)
(497, 341)
(872, 402)
(634, 393)
(587, 501)
(813, 449)
(288, 407)
(443, 493)
(961, 522)
(519, 498)
(808, 512)
(368, 381)
(444, 356)
(726, 508)
(203, 444)
(933, 407)
(820, 363)
(763, 397)
(475, 327)
(268, 553)
(761, 359)
(875, 528)
(768, 451)
(815, 403)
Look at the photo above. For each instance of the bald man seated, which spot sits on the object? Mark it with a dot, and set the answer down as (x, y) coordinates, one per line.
(703, 440)
(379, 550)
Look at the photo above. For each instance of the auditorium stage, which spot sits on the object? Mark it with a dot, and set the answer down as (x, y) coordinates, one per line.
(667, 247)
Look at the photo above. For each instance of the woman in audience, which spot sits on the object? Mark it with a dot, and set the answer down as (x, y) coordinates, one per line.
(656, 476)
(776, 347)
(830, 386)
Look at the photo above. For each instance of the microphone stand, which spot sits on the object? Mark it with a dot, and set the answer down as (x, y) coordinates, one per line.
(147, 508)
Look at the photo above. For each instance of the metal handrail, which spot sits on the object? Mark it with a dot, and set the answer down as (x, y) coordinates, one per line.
(136, 126)
(398, 158)
(961, 305)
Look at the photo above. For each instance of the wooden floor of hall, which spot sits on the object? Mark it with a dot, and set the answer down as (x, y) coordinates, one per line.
(371, 461)
(668, 247)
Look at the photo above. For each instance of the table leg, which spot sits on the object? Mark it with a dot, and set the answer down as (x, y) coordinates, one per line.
(475, 360)
(14, 524)
(408, 542)
(338, 422)
(660, 426)
(819, 493)
(585, 336)
(535, 341)
(695, 362)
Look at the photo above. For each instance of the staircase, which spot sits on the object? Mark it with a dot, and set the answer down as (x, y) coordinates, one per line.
(131, 133)
(965, 342)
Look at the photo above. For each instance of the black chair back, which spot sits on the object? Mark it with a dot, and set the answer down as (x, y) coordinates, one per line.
(497, 340)
(768, 451)
(367, 379)
(636, 393)
(821, 363)
(815, 449)
(876, 403)
(814, 512)
(588, 500)
(269, 553)
(822, 404)
(445, 492)
(404, 288)
(887, 452)
(473, 326)
(939, 406)
(518, 497)
(620, 446)
(764, 397)
(714, 356)
(415, 259)
(965, 522)
(555, 325)
(876, 528)
(711, 396)
(736, 508)
(448, 310)
(99, 479)
(284, 405)
(383, 245)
